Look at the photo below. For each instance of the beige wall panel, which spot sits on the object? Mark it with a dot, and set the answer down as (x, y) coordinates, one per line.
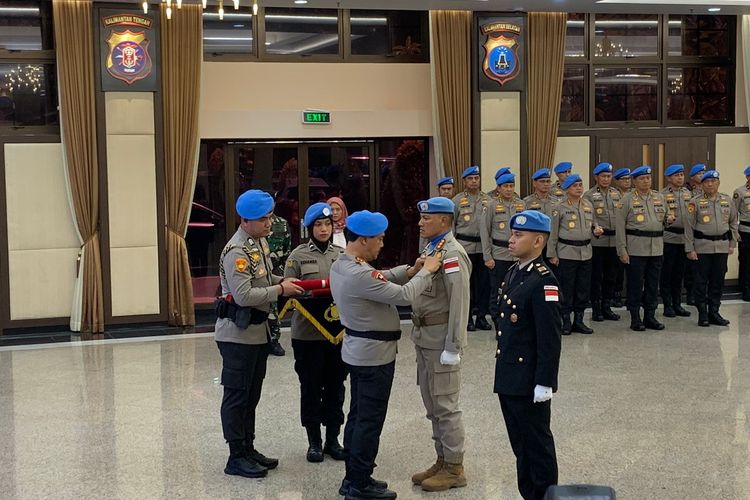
(576, 150)
(501, 111)
(135, 281)
(266, 100)
(131, 181)
(41, 282)
(732, 156)
(499, 149)
(37, 198)
(130, 113)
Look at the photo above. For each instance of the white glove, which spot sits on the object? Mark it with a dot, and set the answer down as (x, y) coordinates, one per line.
(542, 394)
(449, 358)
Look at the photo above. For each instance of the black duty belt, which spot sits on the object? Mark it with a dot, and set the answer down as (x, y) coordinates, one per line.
(466, 237)
(644, 234)
(500, 243)
(712, 237)
(574, 243)
(675, 230)
(609, 232)
(375, 335)
(744, 223)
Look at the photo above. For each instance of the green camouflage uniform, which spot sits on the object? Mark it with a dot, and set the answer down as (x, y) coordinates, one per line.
(280, 242)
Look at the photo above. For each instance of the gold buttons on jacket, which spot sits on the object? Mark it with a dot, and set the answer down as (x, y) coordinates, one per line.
(509, 301)
(502, 315)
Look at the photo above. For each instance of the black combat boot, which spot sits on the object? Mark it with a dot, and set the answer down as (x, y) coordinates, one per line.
(579, 326)
(608, 313)
(650, 322)
(702, 315)
(678, 309)
(276, 349)
(635, 321)
(669, 311)
(566, 324)
(240, 465)
(470, 326)
(596, 311)
(617, 301)
(715, 318)
(315, 450)
(332, 446)
(256, 456)
(482, 323)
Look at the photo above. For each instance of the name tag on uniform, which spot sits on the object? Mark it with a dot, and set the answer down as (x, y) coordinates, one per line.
(551, 293)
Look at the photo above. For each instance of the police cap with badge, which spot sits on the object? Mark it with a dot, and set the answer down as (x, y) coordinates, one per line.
(436, 205)
(570, 180)
(697, 169)
(317, 211)
(542, 173)
(642, 170)
(505, 179)
(622, 173)
(674, 169)
(366, 224)
(563, 166)
(709, 175)
(446, 181)
(254, 204)
(473, 170)
(603, 168)
(531, 220)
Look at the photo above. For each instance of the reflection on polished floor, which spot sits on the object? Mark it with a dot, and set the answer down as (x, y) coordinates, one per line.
(656, 415)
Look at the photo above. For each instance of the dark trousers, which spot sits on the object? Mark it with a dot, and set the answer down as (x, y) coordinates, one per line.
(709, 280)
(672, 272)
(575, 281)
(744, 254)
(528, 426)
(370, 391)
(242, 374)
(497, 276)
(643, 282)
(604, 265)
(321, 381)
(620, 277)
(691, 268)
(480, 297)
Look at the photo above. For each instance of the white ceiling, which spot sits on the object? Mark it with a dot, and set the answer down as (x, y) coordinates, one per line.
(613, 6)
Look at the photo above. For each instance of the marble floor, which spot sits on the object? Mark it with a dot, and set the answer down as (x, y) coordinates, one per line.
(656, 415)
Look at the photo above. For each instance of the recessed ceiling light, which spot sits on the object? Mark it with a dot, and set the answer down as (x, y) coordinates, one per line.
(300, 2)
(714, 9)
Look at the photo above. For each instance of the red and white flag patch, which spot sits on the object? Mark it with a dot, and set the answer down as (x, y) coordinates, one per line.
(451, 265)
(551, 293)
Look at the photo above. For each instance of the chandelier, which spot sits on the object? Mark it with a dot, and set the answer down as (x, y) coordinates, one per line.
(219, 10)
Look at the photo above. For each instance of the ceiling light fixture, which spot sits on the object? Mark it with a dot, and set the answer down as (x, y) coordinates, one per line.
(145, 7)
(255, 8)
(205, 3)
(236, 4)
(300, 2)
(714, 9)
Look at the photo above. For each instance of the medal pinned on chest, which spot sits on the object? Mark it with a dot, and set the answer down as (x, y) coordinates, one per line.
(513, 318)
(467, 218)
(640, 218)
(501, 225)
(572, 224)
(706, 219)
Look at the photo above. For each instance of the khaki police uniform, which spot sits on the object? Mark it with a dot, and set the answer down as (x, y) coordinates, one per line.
(497, 229)
(711, 231)
(367, 300)
(245, 270)
(604, 262)
(536, 202)
(317, 362)
(639, 231)
(570, 241)
(469, 216)
(557, 192)
(440, 314)
(691, 266)
(673, 268)
(741, 198)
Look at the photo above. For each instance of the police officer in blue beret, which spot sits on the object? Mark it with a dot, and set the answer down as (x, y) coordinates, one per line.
(741, 200)
(677, 197)
(471, 206)
(623, 182)
(528, 354)
(317, 361)
(562, 171)
(445, 187)
(248, 288)
(691, 268)
(367, 300)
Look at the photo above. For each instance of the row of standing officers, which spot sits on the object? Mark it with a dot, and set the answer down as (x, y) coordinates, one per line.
(620, 226)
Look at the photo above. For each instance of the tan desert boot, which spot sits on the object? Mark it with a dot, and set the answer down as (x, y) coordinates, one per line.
(421, 476)
(450, 476)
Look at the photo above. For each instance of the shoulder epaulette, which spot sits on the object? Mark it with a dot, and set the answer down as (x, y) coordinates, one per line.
(541, 269)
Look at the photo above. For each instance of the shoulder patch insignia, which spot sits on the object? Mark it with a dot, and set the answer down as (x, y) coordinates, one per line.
(542, 269)
(691, 207)
(240, 265)
(289, 263)
(378, 276)
(451, 265)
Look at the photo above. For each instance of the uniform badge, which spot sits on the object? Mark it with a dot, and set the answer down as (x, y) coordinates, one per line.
(499, 209)
(378, 276)
(240, 265)
(359, 260)
(691, 208)
(261, 272)
(706, 219)
(467, 218)
(640, 218)
(464, 202)
(599, 211)
(501, 225)
(573, 217)
(571, 225)
(290, 263)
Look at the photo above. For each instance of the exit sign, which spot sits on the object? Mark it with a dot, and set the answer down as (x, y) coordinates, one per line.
(316, 117)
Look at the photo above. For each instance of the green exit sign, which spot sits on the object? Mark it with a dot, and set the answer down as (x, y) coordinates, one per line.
(316, 117)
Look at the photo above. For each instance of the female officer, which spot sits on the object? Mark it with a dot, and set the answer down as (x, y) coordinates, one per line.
(317, 361)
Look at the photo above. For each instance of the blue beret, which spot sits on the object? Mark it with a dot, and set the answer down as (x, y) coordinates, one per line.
(542, 173)
(711, 174)
(570, 180)
(367, 224)
(254, 204)
(564, 166)
(603, 167)
(501, 172)
(317, 211)
(437, 205)
(622, 172)
(642, 170)
(697, 169)
(530, 220)
(505, 179)
(674, 169)
(445, 180)
(470, 171)
(747, 171)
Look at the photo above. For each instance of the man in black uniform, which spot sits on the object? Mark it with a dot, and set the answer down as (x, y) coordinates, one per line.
(528, 354)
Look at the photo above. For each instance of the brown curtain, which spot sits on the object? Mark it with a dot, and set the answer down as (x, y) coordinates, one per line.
(182, 56)
(451, 59)
(74, 40)
(546, 58)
